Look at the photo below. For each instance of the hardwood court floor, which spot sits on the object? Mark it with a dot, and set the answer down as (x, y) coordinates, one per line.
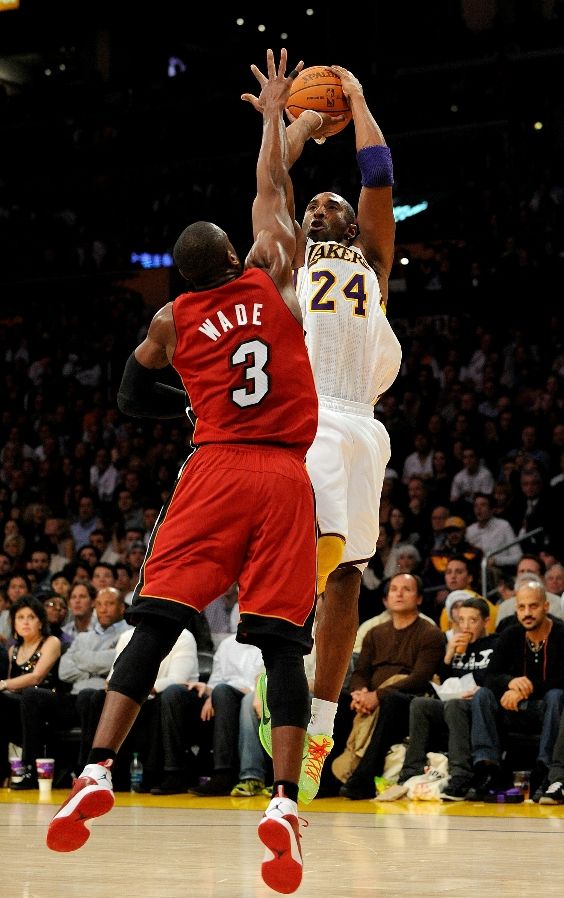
(184, 847)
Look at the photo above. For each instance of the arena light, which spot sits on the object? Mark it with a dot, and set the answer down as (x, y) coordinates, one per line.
(152, 260)
(403, 212)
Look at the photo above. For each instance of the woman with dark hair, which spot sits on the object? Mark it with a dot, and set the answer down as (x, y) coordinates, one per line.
(32, 662)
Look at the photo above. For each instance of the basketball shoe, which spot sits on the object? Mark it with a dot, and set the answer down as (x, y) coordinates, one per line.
(91, 796)
(265, 725)
(279, 831)
(316, 749)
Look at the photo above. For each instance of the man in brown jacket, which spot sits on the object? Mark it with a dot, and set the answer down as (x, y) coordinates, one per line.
(406, 645)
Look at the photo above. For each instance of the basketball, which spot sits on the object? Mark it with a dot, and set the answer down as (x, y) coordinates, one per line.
(317, 87)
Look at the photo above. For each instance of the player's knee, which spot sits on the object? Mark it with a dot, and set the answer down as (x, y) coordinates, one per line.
(330, 550)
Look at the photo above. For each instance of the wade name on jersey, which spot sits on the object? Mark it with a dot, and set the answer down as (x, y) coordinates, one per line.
(239, 317)
(336, 251)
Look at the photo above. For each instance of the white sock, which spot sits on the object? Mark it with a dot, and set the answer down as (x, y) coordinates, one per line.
(322, 717)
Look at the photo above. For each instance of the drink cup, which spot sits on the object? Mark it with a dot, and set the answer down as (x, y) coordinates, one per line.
(16, 769)
(521, 781)
(45, 769)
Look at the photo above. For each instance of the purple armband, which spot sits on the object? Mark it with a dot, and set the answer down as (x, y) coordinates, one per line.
(375, 164)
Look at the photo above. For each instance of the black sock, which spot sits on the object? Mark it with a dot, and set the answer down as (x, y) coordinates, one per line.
(100, 754)
(290, 789)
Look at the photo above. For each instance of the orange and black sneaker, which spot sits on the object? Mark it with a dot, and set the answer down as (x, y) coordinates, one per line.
(91, 797)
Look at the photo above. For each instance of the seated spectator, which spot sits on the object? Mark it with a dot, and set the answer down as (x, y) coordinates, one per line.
(56, 611)
(453, 604)
(179, 667)
(18, 585)
(38, 568)
(407, 646)
(381, 618)
(404, 558)
(88, 554)
(223, 615)
(438, 533)
(103, 575)
(398, 529)
(61, 584)
(436, 725)
(85, 665)
(459, 575)
(473, 478)
(134, 558)
(82, 599)
(32, 662)
(230, 693)
(59, 542)
(524, 690)
(420, 461)
(452, 567)
(77, 570)
(554, 579)
(506, 611)
(491, 534)
(86, 521)
(100, 540)
(14, 548)
(5, 570)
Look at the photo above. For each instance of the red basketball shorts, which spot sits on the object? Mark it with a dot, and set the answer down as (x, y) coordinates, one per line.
(237, 513)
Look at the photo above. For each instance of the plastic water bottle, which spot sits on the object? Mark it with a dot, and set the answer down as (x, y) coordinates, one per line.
(135, 773)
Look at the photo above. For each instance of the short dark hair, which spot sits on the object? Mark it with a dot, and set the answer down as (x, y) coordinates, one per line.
(479, 605)
(89, 587)
(537, 559)
(200, 251)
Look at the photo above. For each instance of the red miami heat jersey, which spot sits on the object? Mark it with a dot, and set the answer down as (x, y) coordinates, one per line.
(243, 361)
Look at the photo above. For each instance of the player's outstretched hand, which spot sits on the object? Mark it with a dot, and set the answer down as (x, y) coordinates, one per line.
(274, 81)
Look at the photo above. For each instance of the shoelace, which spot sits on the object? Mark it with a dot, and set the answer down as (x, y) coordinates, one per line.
(316, 756)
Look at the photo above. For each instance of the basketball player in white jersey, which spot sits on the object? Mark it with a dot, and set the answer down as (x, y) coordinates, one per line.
(344, 262)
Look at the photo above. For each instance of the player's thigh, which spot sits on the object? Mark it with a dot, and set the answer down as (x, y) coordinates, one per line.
(328, 464)
(278, 577)
(199, 543)
(371, 455)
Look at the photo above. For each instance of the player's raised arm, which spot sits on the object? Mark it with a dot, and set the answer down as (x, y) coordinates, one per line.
(375, 208)
(273, 228)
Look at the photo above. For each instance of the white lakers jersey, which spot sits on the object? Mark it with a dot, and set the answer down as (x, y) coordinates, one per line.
(353, 350)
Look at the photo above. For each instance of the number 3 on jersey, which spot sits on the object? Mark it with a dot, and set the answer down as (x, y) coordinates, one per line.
(353, 291)
(254, 355)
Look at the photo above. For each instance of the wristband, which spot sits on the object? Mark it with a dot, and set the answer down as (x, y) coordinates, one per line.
(375, 164)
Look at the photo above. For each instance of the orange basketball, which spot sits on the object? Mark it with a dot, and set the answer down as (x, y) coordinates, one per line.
(317, 87)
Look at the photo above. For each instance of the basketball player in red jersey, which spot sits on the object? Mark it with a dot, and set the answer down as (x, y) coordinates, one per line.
(242, 508)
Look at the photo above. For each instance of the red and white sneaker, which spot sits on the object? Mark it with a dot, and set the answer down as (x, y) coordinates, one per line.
(279, 831)
(91, 797)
